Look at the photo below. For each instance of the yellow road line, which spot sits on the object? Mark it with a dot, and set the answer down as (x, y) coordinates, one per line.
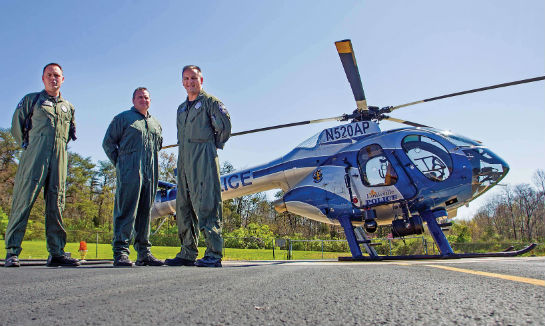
(502, 276)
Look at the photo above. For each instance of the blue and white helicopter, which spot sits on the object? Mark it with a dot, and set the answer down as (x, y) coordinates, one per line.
(359, 177)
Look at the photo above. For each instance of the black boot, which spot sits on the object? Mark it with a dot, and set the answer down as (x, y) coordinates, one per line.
(123, 261)
(55, 261)
(208, 262)
(11, 261)
(149, 260)
(176, 261)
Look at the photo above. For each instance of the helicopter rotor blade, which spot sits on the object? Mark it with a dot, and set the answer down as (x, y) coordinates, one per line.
(410, 123)
(346, 53)
(293, 124)
(523, 81)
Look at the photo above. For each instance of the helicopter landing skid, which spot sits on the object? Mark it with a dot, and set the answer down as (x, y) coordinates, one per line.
(507, 253)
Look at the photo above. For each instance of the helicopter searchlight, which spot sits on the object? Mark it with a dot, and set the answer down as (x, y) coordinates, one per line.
(359, 177)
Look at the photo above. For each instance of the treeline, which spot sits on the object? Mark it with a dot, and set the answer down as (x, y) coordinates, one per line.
(517, 214)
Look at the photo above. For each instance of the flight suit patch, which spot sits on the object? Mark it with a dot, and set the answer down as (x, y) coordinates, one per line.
(223, 109)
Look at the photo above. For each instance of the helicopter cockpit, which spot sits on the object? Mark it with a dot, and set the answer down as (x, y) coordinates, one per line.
(431, 156)
(487, 168)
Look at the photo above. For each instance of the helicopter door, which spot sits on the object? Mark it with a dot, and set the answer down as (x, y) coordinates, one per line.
(429, 159)
(379, 168)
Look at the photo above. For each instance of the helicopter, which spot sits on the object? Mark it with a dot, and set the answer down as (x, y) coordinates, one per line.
(359, 177)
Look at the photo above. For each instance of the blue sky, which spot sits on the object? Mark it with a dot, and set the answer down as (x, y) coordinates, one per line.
(274, 62)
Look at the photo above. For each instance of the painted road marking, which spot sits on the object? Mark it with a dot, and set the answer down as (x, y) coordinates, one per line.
(502, 276)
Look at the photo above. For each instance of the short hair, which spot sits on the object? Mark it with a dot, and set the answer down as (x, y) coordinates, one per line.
(192, 67)
(139, 89)
(52, 64)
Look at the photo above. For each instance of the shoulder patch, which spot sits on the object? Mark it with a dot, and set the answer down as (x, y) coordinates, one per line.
(20, 103)
(223, 109)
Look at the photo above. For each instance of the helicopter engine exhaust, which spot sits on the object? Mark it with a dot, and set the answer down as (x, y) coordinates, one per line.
(407, 226)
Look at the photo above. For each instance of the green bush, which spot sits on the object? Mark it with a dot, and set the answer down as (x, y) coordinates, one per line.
(3, 223)
(254, 236)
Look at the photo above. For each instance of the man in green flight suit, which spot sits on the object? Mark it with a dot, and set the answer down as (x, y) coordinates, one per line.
(132, 142)
(43, 124)
(203, 126)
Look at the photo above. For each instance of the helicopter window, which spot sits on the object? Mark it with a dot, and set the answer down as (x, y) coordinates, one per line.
(458, 140)
(487, 169)
(375, 168)
(311, 142)
(429, 156)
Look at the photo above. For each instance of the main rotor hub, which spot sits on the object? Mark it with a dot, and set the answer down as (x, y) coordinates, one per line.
(373, 113)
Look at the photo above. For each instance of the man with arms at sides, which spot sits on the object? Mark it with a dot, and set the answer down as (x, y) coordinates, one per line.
(132, 142)
(203, 126)
(43, 124)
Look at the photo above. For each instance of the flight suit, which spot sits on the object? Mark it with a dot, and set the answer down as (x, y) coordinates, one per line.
(132, 143)
(43, 163)
(202, 128)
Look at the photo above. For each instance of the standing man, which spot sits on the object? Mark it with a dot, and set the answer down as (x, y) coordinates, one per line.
(132, 143)
(43, 124)
(203, 127)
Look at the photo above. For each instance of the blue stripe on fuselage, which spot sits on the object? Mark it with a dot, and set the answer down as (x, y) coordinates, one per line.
(315, 161)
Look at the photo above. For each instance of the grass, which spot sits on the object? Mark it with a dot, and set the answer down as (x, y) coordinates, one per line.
(37, 250)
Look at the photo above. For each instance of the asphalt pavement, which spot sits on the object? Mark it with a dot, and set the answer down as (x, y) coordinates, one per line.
(484, 291)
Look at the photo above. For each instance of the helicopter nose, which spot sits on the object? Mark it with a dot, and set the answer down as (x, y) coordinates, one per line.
(488, 169)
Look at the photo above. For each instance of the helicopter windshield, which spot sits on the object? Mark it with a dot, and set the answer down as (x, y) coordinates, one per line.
(488, 169)
(459, 140)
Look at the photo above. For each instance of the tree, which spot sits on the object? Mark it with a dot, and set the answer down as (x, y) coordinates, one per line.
(527, 201)
(3, 222)
(104, 194)
(80, 206)
(539, 181)
(512, 210)
(167, 164)
(517, 213)
(8, 167)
